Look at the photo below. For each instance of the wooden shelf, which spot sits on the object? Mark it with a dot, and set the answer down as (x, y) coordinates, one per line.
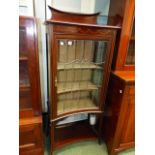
(75, 86)
(71, 134)
(25, 106)
(62, 66)
(31, 120)
(75, 105)
(23, 58)
(25, 87)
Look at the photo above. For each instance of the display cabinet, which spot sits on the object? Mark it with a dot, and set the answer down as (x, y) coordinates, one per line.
(80, 55)
(29, 82)
(30, 119)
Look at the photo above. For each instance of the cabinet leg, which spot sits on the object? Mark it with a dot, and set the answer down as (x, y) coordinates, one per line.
(100, 128)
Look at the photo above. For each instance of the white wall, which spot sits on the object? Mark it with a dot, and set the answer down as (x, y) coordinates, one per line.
(67, 5)
(87, 6)
(40, 15)
(102, 6)
(26, 7)
(84, 6)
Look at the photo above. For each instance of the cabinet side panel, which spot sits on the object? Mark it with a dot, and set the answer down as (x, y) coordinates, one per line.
(112, 110)
(128, 134)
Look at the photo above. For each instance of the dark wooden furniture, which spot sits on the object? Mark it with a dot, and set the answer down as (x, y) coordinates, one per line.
(80, 55)
(30, 120)
(119, 118)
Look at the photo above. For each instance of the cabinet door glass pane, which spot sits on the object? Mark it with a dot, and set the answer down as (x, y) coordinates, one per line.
(22, 43)
(80, 68)
(24, 81)
(130, 60)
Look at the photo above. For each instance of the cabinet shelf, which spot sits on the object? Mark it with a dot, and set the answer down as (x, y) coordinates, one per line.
(63, 66)
(23, 58)
(65, 87)
(24, 88)
(24, 85)
(76, 132)
(76, 105)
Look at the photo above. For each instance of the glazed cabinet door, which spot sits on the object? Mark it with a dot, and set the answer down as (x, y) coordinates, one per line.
(130, 58)
(124, 57)
(29, 88)
(80, 73)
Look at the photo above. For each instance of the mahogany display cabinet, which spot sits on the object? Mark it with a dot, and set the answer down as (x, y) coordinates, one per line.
(30, 116)
(79, 64)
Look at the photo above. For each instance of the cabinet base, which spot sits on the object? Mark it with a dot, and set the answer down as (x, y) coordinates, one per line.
(71, 133)
(31, 136)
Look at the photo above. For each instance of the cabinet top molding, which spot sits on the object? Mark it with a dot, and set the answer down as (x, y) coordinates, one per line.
(78, 19)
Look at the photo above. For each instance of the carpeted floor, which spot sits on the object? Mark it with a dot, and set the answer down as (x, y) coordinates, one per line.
(85, 148)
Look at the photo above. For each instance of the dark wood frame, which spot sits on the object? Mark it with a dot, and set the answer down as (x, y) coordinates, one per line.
(29, 23)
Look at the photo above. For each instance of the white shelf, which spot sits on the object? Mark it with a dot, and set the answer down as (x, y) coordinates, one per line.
(64, 66)
(75, 86)
(75, 105)
(73, 118)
